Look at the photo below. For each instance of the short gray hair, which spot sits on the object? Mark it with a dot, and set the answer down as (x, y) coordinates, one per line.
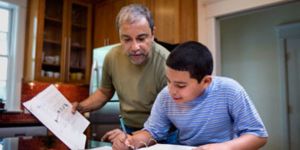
(134, 12)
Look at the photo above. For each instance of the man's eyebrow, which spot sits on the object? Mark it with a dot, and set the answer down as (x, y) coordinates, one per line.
(125, 36)
(143, 34)
(139, 36)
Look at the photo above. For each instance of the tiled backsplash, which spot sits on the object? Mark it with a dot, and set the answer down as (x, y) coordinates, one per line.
(71, 91)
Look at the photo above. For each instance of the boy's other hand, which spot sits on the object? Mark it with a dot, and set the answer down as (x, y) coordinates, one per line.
(113, 136)
(122, 143)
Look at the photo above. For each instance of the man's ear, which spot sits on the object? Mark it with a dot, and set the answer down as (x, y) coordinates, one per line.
(153, 32)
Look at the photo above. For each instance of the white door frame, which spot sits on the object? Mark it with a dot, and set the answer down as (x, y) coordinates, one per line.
(208, 12)
(284, 32)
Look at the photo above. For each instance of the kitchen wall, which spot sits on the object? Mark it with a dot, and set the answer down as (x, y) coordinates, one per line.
(249, 54)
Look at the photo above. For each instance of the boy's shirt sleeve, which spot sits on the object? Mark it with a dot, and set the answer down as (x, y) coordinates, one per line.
(246, 119)
(158, 123)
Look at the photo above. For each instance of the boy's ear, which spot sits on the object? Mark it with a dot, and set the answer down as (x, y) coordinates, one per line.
(207, 80)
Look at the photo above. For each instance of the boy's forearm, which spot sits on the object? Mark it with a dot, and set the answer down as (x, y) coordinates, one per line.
(142, 139)
(247, 142)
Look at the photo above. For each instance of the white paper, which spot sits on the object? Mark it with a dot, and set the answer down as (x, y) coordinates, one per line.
(54, 111)
(102, 148)
(167, 147)
(153, 147)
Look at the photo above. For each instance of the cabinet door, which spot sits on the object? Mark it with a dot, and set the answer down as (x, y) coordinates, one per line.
(166, 17)
(116, 7)
(188, 21)
(176, 20)
(105, 27)
(79, 47)
(63, 52)
(50, 49)
(103, 23)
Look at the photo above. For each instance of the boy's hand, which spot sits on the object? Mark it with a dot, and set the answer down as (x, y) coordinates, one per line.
(215, 146)
(122, 143)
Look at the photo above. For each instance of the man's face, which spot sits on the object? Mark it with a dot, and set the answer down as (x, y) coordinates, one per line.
(136, 39)
(182, 87)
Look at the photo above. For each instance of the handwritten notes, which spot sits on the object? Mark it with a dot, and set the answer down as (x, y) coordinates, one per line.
(54, 111)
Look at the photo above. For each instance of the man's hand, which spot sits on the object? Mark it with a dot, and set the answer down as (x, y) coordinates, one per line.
(76, 106)
(114, 136)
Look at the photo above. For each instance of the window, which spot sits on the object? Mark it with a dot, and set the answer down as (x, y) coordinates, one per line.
(5, 35)
(12, 32)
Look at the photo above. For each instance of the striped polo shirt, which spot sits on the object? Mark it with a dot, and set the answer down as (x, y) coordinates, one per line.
(224, 111)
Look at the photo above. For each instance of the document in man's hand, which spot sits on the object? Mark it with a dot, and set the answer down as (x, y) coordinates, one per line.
(54, 111)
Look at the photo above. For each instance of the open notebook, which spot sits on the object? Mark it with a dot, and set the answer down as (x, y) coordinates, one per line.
(155, 147)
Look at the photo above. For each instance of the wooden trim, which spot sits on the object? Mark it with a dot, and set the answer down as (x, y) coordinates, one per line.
(39, 40)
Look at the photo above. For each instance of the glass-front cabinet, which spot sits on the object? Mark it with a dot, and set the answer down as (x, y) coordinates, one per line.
(63, 52)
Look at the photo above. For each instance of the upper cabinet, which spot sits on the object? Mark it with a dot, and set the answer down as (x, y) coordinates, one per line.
(175, 21)
(63, 45)
(105, 32)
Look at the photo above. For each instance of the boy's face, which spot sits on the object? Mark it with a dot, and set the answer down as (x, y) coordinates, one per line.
(182, 87)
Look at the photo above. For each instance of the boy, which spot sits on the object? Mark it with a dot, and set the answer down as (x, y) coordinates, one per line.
(209, 112)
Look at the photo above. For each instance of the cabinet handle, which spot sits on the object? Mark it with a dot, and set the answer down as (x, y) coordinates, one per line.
(69, 43)
(106, 41)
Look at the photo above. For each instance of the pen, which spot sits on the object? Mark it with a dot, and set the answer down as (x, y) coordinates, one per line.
(123, 125)
(124, 130)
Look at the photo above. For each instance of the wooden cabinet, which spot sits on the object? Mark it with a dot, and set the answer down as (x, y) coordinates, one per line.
(63, 46)
(175, 21)
(104, 25)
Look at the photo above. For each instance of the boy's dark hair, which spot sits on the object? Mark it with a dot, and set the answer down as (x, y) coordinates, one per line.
(193, 57)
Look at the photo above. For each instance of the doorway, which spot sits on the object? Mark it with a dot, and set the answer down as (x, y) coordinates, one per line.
(289, 36)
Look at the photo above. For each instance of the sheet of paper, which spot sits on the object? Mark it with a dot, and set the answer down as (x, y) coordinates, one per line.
(54, 111)
(153, 147)
(167, 147)
(101, 148)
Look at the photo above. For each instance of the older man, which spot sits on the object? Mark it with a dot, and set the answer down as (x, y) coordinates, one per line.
(135, 69)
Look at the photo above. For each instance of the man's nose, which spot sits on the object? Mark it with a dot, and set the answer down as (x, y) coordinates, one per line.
(135, 45)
